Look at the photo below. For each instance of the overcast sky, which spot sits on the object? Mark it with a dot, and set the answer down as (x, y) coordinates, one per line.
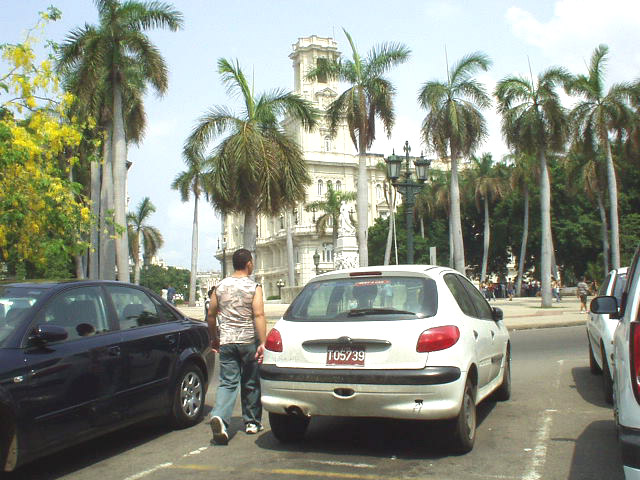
(260, 35)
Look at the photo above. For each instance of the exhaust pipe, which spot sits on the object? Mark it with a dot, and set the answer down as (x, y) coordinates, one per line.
(295, 410)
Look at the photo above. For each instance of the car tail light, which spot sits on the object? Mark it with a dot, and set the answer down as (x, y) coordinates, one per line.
(274, 341)
(634, 358)
(438, 338)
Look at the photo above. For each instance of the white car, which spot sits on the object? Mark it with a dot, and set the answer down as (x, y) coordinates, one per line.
(600, 330)
(626, 366)
(409, 342)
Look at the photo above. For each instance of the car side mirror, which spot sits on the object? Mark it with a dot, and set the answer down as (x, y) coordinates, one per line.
(48, 333)
(605, 305)
(497, 314)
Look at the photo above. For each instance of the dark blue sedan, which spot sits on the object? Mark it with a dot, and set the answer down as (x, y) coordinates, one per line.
(80, 359)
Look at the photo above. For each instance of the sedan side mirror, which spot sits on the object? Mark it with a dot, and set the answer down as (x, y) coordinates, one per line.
(497, 314)
(605, 305)
(48, 333)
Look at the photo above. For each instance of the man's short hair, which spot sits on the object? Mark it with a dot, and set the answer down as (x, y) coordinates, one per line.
(240, 259)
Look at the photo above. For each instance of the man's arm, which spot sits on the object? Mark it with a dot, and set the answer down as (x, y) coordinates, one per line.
(212, 314)
(259, 322)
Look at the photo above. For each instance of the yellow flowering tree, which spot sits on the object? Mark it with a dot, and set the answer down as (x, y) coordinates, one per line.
(44, 218)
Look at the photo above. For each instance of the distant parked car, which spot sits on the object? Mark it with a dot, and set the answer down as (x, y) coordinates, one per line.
(79, 359)
(414, 342)
(600, 329)
(626, 366)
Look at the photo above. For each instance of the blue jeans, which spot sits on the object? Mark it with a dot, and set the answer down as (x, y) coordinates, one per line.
(238, 365)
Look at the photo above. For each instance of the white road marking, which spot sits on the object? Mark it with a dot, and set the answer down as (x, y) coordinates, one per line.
(195, 452)
(342, 464)
(534, 472)
(557, 382)
(150, 471)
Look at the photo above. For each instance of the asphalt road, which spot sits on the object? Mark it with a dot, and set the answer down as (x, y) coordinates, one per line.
(556, 426)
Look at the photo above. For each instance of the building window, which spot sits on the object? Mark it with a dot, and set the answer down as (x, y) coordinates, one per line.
(378, 192)
(281, 222)
(329, 185)
(320, 186)
(295, 216)
(327, 252)
(338, 185)
(326, 146)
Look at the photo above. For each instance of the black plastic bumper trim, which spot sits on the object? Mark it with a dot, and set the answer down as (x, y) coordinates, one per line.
(425, 376)
(630, 445)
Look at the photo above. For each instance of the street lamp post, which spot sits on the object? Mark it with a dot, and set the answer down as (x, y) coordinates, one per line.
(408, 187)
(280, 284)
(224, 259)
(316, 261)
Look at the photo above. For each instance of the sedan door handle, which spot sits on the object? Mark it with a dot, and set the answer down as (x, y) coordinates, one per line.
(114, 351)
(475, 334)
(172, 339)
(493, 334)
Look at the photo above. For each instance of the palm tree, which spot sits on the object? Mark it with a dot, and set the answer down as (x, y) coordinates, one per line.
(370, 96)
(103, 55)
(139, 231)
(256, 168)
(488, 185)
(594, 117)
(535, 123)
(454, 127)
(192, 181)
(330, 207)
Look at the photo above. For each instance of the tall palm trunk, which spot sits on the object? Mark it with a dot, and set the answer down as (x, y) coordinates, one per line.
(603, 231)
(450, 242)
(94, 235)
(456, 223)
(251, 232)
(523, 245)
(362, 204)
(487, 233)
(107, 252)
(291, 275)
(613, 205)
(545, 216)
(120, 184)
(136, 260)
(79, 258)
(194, 254)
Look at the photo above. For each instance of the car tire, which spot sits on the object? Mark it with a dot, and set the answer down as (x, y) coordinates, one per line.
(464, 425)
(188, 397)
(503, 393)
(607, 382)
(593, 365)
(288, 428)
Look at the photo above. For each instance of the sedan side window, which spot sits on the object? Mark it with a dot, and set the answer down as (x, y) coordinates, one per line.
(481, 304)
(81, 311)
(134, 307)
(460, 294)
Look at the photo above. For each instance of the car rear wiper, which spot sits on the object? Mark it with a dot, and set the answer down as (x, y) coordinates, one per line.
(355, 312)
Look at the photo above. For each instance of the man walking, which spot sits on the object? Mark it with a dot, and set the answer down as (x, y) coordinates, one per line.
(582, 291)
(237, 302)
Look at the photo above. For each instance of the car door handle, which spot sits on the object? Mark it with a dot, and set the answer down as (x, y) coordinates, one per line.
(475, 334)
(493, 334)
(172, 339)
(114, 351)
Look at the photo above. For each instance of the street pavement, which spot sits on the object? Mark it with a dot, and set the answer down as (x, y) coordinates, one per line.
(519, 314)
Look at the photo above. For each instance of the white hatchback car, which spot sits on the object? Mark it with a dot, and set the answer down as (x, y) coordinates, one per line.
(600, 330)
(626, 366)
(409, 342)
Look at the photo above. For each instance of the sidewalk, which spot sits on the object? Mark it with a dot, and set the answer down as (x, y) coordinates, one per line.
(519, 314)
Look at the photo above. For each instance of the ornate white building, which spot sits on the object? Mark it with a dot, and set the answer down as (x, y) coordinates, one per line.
(330, 161)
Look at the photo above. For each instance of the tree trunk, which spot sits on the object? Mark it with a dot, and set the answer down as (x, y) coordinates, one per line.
(613, 206)
(450, 243)
(456, 223)
(485, 248)
(546, 244)
(291, 261)
(362, 203)
(603, 232)
(120, 184)
(94, 235)
(523, 245)
(107, 252)
(250, 233)
(390, 234)
(193, 277)
(422, 226)
(136, 262)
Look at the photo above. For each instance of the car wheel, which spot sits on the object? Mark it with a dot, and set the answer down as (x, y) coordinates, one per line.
(607, 382)
(288, 428)
(464, 425)
(188, 397)
(593, 365)
(503, 393)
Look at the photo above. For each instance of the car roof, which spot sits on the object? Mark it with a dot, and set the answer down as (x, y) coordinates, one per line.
(375, 269)
(53, 284)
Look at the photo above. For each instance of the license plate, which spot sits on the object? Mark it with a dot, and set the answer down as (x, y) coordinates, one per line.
(346, 355)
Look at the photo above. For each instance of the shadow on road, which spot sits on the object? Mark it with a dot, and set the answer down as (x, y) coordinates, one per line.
(374, 437)
(589, 386)
(599, 441)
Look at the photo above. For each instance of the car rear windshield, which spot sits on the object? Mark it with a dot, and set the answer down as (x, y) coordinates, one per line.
(15, 303)
(367, 299)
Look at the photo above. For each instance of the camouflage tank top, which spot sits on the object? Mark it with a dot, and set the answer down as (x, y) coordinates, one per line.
(235, 310)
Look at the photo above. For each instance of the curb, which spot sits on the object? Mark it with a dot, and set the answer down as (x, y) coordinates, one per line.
(534, 326)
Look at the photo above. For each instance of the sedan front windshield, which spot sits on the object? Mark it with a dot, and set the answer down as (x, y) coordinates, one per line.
(15, 303)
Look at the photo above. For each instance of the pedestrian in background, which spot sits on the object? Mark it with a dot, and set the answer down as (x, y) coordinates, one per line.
(510, 289)
(555, 289)
(207, 302)
(237, 303)
(582, 292)
(171, 292)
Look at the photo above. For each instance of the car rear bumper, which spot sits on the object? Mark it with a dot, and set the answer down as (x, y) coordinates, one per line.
(428, 394)
(630, 447)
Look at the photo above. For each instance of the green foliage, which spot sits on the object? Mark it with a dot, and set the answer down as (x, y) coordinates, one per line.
(155, 278)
